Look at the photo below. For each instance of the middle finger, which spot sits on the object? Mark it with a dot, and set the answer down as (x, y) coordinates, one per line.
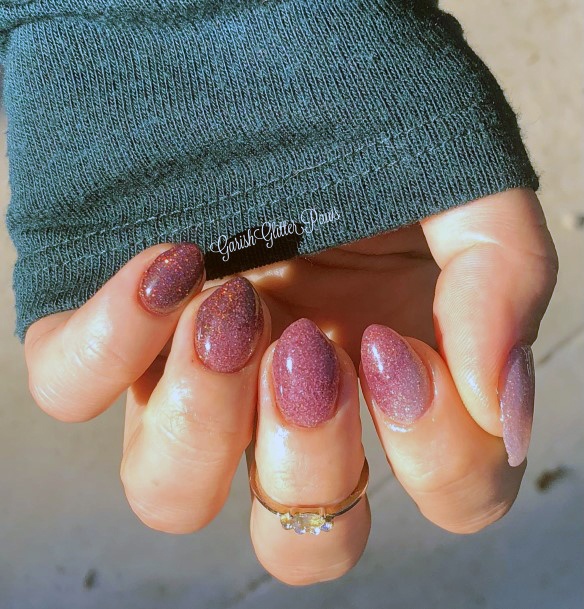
(183, 448)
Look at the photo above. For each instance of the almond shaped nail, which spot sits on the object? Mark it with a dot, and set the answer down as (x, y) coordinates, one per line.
(306, 373)
(228, 326)
(516, 397)
(171, 277)
(397, 378)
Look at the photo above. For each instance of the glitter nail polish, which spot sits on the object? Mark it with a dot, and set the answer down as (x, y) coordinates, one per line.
(228, 326)
(516, 396)
(398, 380)
(306, 372)
(172, 276)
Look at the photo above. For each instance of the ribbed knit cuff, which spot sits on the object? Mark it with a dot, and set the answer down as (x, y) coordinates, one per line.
(261, 130)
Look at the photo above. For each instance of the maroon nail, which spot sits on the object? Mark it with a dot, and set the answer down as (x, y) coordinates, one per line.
(306, 372)
(228, 326)
(516, 396)
(398, 380)
(171, 278)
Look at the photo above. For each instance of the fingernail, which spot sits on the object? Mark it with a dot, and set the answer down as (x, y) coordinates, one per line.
(228, 326)
(171, 278)
(398, 380)
(516, 396)
(305, 370)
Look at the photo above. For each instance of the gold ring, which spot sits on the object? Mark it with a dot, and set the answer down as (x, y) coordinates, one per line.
(308, 519)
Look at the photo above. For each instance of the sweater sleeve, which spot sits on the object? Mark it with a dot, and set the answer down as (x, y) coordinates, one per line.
(259, 129)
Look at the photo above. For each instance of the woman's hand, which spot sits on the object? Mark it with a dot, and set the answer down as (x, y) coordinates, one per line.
(473, 281)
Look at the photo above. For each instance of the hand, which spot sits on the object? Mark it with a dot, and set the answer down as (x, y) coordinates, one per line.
(488, 267)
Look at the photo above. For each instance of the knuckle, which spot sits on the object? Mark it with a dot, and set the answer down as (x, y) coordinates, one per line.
(56, 397)
(540, 254)
(49, 400)
(43, 396)
(547, 263)
(97, 355)
(198, 439)
(192, 440)
(287, 483)
(55, 385)
(552, 262)
(445, 476)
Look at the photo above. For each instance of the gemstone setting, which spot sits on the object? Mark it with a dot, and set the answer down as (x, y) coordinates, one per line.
(306, 522)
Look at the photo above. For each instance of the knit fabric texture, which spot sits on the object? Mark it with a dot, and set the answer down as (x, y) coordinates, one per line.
(259, 129)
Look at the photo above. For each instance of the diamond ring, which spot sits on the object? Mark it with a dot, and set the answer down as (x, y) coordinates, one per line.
(308, 519)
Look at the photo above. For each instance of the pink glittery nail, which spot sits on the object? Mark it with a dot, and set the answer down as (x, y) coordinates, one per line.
(172, 276)
(306, 372)
(228, 326)
(516, 396)
(397, 378)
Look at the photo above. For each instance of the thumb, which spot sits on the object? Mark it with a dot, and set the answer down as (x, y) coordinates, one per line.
(498, 271)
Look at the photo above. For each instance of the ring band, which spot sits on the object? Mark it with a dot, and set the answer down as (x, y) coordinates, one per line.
(308, 519)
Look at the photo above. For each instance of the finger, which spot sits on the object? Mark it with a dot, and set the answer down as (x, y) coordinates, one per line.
(499, 269)
(183, 452)
(308, 452)
(138, 395)
(81, 364)
(456, 472)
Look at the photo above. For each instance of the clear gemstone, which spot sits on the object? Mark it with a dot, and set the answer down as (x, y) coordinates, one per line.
(306, 523)
(327, 526)
(286, 521)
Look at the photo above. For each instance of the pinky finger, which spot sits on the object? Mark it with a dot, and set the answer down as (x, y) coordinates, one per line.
(455, 471)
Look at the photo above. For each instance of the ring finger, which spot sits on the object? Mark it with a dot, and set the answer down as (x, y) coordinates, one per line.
(308, 453)
(455, 471)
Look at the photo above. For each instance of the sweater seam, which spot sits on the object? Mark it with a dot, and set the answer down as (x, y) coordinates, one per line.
(387, 138)
(319, 188)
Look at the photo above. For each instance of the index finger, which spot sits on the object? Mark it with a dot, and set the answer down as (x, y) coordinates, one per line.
(80, 365)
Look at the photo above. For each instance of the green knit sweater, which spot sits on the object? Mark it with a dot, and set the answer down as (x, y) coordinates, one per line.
(259, 129)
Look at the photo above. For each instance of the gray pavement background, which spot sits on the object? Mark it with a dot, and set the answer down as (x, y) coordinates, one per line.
(69, 540)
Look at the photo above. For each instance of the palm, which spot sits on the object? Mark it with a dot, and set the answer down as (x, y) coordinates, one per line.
(387, 279)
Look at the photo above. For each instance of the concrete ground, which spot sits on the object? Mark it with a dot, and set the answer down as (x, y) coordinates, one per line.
(69, 540)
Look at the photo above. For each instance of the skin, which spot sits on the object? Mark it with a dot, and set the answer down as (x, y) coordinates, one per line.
(463, 286)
